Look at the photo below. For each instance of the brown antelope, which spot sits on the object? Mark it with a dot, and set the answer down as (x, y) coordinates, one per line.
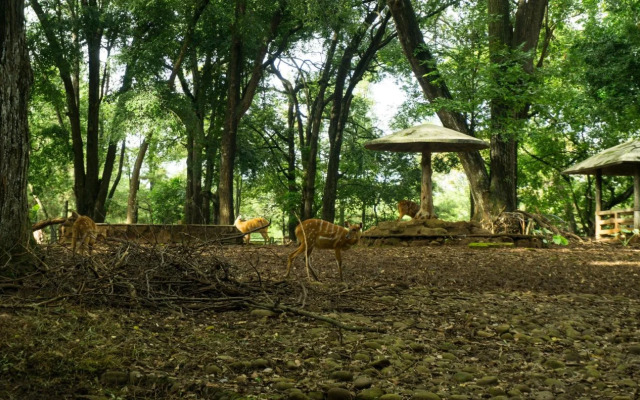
(253, 225)
(323, 235)
(407, 207)
(83, 231)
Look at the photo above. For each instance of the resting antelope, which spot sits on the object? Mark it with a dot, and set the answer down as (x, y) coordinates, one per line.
(323, 235)
(407, 207)
(251, 226)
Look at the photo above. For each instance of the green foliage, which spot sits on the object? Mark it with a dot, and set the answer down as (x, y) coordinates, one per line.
(166, 201)
(584, 96)
(560, 240)
(626, 235)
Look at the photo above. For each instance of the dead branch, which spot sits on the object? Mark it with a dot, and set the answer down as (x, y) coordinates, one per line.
(44, 223)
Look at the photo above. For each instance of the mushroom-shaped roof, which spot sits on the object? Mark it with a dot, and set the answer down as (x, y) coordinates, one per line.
(622, 159)
(427, 137)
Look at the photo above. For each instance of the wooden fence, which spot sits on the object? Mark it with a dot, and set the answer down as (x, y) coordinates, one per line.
(612, 222)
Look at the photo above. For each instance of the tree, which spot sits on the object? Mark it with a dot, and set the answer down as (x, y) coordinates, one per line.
(89, 23)
(513, 39)
(372, 27)
(15, 83)
(239, 96)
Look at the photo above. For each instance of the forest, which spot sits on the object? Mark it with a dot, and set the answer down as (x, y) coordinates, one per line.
(197, 112)
(194, 113)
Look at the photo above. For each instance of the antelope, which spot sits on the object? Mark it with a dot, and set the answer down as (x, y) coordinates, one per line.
(323, 235)
(407, 207)
(83, 231)
(260, 225)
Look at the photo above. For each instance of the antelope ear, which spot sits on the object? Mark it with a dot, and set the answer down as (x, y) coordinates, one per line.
(360, 225)
(347, 224)
(74, 214)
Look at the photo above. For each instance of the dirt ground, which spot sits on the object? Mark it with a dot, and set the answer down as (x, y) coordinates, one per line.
(213, 322)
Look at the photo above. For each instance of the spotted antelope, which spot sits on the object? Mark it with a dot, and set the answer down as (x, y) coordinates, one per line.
(323, 235)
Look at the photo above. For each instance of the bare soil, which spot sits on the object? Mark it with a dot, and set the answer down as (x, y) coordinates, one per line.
(213, 322)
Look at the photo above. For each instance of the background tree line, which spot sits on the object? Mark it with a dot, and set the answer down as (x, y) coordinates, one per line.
(266, 104)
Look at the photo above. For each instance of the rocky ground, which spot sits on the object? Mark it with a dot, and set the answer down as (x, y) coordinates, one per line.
(407, 323)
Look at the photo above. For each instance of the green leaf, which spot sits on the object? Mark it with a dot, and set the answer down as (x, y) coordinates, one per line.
(560, 240)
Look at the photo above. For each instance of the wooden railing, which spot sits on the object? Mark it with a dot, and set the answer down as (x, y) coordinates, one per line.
(611, 222)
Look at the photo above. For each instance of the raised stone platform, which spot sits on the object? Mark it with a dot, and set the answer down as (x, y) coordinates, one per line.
(421, 232)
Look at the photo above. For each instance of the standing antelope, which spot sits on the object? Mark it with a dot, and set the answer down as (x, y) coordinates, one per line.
(83, 231)
(407, 207)
(251, 226)
(323, 235)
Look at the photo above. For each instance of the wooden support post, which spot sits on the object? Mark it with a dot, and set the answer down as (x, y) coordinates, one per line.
(598, 202)
(636, 198)
(426, 191)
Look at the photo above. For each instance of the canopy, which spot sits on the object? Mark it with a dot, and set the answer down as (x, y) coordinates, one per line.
(427, 137)
(622, 159)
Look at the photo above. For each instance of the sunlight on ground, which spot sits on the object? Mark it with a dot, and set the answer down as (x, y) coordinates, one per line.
(615, 263)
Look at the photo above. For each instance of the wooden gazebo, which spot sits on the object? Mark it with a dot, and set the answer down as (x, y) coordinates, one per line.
(427, 139)
(620, 160)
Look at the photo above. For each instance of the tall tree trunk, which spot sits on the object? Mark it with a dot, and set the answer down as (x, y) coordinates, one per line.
(93, 39)
(238, 102)
(229, 137)
(100, 212)
(134, 183)
(193, 208)
(15, 84)
(90, 191)
(309, 143)
(503, 144)
(342, 97)
(209, 212)
(116, 181)
(424, 67)
(506, 41)
(293, 120)
(294, 124)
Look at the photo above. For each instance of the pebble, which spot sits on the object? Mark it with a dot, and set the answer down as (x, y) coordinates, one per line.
(296, 394)
(362, 382)
(212, 369)
(553, 364)
(543, 395)
(381, 363)
(370, 394)
(342, 376)
(488, 381)
(462, 377)
(337, 393)
(424, 395)
(390, 396)
(260, 313)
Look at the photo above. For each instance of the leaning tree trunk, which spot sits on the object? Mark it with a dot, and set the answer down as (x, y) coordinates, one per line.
(346, 80)
(424, 67)
(134, 183)
(15, 83)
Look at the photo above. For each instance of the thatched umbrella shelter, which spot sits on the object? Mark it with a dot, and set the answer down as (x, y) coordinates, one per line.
(620, 160)
(427, 139)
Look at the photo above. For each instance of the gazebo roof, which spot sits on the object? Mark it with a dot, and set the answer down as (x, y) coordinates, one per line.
(622, 159)
(427, 137)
